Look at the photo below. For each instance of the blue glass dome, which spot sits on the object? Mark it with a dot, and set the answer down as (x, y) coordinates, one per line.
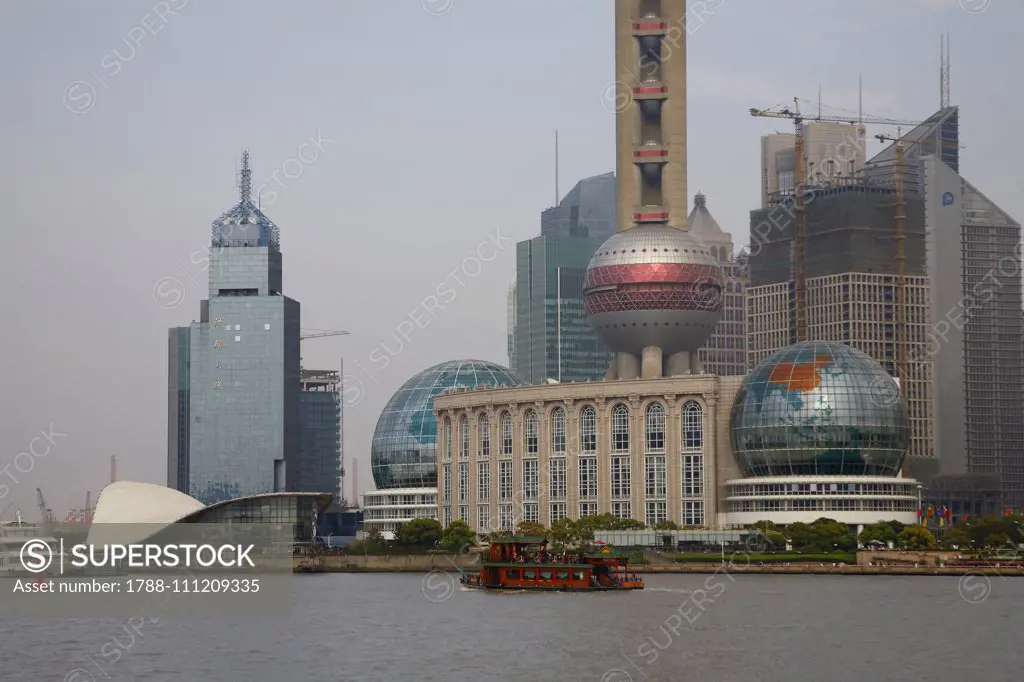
(819, 409)
(403, 452)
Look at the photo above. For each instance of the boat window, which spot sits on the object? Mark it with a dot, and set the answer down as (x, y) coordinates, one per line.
(513, 574)
(529, 575)
(577, 575)
(562, 575)
(545, 575)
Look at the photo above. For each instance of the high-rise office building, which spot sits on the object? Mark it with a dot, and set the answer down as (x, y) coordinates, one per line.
(241, 369)
(320, 433)
(726, 351)
(552, 339)
(834, 152)
(976, 340)
(587, 210)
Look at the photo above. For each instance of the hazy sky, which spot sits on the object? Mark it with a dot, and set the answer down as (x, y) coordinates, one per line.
(122, 126)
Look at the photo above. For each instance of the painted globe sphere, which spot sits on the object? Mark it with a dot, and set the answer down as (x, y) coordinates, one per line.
(653, 285)
(819, 409)
(403, 453)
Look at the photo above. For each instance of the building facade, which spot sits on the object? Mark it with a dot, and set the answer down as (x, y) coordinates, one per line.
(319, 434)
(243, 415)
(552, 338)
(976, 340)
(835, 153)
(386, 510)
(649, 450)
(851, 283)
(726, 350)
(587, 210)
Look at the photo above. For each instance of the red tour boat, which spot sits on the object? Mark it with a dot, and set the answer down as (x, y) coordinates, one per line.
(524, 563)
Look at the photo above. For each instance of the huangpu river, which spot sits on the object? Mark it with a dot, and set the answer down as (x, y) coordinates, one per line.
(711, 628)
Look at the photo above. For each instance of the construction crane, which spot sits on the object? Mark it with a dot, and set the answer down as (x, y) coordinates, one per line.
(799, 180)
(44, 510)
(900, 219)
(305, 334)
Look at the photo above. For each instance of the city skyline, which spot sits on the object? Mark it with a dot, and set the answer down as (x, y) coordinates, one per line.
(145, 201)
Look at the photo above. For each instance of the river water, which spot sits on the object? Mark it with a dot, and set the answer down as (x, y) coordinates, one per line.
(719, 628)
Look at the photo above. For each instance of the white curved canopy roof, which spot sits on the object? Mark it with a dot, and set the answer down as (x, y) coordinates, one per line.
(145, 504)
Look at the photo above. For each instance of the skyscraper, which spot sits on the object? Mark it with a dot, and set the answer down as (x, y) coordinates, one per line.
(241, 370)
(726, 351)
(552, 339)
(976, 340)
(587, 210)
(320, 433)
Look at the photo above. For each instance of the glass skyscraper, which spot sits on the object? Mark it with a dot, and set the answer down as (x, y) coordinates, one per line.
(549, 336)
(238, 431)
(553, 339)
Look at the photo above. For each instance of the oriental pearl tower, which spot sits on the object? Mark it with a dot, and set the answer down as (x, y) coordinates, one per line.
(652, 291)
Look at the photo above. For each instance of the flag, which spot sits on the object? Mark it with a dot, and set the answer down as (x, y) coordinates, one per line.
(931, 512)
(920, 512)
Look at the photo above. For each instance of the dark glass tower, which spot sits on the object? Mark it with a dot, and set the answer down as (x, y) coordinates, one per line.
(242, 418)
(552, 337)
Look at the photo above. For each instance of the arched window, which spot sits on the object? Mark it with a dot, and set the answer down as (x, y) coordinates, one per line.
(506, 433)
(447, 439)
(693, 426)
(531, 443)
(588, 430)
(484, 437)
(464, 437)
(620, 428)
(558, 431)
(654, 428)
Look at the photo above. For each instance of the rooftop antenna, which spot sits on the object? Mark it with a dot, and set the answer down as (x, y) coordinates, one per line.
(944, 71)
(245, 183)
(819, 100)
(558, 196)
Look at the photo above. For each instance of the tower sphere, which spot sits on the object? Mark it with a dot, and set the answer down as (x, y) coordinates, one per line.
(653, 285)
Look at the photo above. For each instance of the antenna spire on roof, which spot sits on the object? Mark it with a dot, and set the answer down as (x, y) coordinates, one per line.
(245, 183)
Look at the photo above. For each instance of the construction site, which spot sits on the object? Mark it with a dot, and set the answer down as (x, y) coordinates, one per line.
(847, 248)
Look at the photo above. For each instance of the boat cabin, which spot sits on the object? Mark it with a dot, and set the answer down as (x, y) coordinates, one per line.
(525, 562)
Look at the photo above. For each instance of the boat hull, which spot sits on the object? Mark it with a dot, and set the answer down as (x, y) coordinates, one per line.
(558, 588)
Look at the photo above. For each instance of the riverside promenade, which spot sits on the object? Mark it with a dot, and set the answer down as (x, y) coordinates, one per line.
(426, 563)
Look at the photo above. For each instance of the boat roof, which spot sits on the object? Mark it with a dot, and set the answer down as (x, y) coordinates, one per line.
(606, 552)
(514, 564)
(519, 540)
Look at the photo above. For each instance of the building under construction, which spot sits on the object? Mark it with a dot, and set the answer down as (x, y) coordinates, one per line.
(962, 341)
(319, 432)
(851, 285)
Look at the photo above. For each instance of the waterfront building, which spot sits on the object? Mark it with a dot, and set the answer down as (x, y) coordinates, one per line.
(403, 450)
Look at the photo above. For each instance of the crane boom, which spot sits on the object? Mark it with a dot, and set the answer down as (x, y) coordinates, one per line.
(319, 334)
